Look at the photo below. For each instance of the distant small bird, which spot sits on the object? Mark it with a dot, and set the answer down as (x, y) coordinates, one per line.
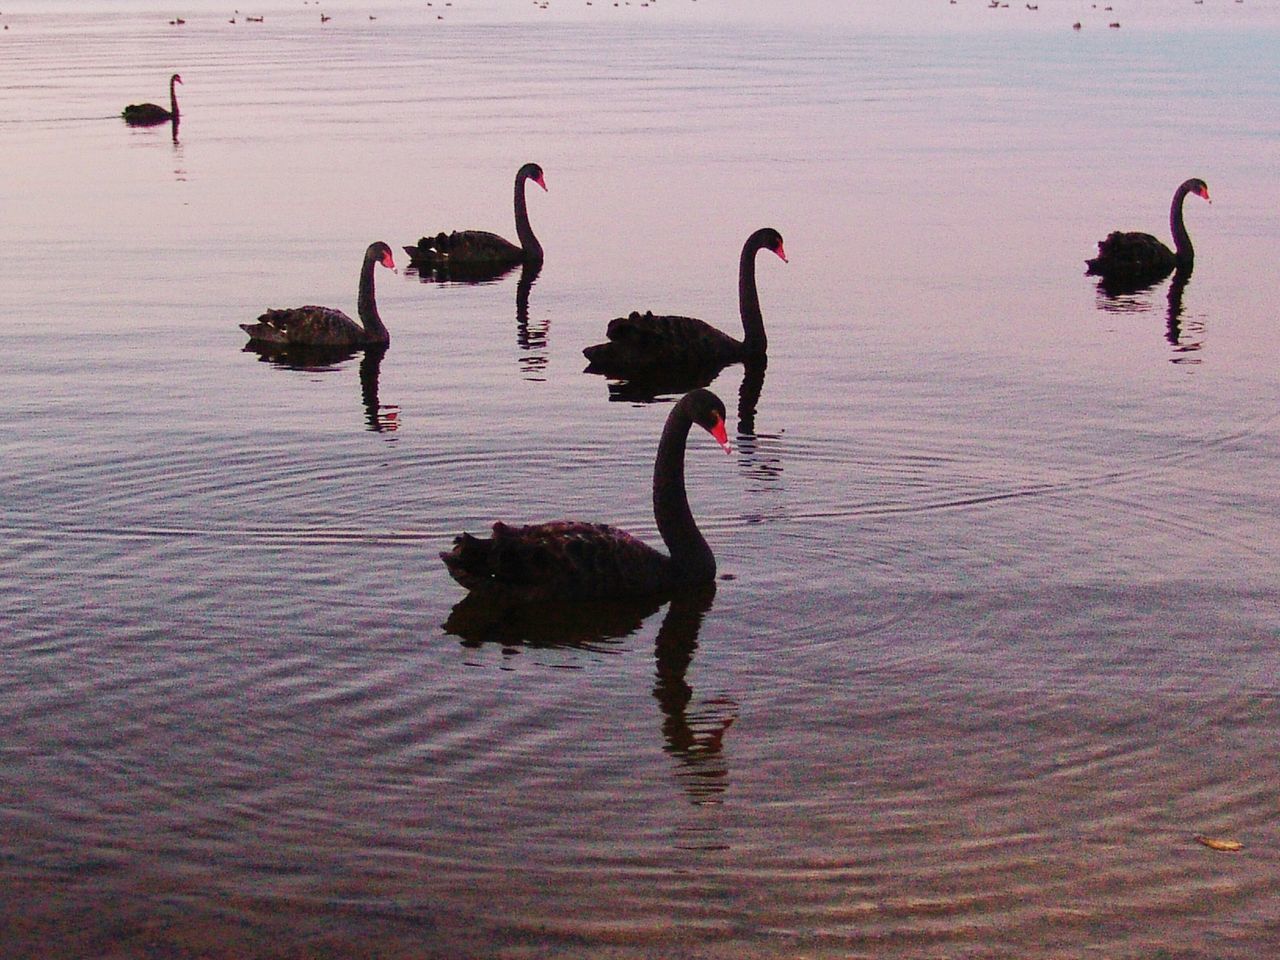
(1114, 26)
(325, 19)
(1076, 25)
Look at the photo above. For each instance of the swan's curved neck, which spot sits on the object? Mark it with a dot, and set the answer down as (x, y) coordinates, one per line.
(173, 97)
(1181, 239)
(367, 304)
(754, 342)
(528, 242)
(690, 555)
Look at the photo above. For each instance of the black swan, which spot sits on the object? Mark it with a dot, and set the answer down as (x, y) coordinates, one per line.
(570, 559)
(478, 251)
(1139, 259)
(151, 114)
(641, 341)
(324, 326)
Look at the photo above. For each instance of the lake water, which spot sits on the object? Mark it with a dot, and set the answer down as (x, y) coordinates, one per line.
(997, 631)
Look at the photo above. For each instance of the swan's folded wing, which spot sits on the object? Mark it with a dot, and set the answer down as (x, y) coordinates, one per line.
(1132, 252)
(564, 558)
(310, 324)
(466, 246)
(648, 339)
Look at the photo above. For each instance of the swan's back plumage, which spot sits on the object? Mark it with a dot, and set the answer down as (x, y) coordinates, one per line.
(563, 558)
(145, 114)
(641, 340)
(318, 326)
(466, 248)
(1132, 255)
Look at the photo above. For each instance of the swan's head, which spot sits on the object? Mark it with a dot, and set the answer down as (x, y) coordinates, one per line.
(1199, 188)
(531, 171)
(769, 239)
(381, 253)
(176, 78)
(706, 410)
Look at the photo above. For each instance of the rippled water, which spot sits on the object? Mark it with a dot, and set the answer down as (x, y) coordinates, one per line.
(997, 633)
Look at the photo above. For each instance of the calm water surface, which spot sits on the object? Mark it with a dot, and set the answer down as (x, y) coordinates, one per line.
(996, 637)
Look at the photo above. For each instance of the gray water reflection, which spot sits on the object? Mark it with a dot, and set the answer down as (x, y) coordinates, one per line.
(531, 338)
(1184, 339)
(693, 731)
(310, 359)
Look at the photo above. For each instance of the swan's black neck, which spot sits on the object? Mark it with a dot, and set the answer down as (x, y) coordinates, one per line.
(528, 242)
(173, 97)
(1182, 248)
(367, 304)
(690, 555)
(754, 342)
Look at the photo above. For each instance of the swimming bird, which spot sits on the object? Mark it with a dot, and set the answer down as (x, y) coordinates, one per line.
(325, 326)
(639, 341)
(571, 559)
(1139, 259)
(478, 251)
(151, 114)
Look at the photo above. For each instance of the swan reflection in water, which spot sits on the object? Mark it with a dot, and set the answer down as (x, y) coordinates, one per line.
(1178, 338)
(1134, 299)
(379, 417)
(661, 387)
(693, 731)
(531, 338)
(466, 273)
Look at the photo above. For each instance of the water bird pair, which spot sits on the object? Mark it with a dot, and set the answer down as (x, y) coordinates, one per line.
(474, 253)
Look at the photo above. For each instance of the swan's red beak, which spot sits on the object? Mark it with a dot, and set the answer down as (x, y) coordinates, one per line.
(540, 182)
(1204, 192)
(722, 437)
(388, 261)
(782, 254)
